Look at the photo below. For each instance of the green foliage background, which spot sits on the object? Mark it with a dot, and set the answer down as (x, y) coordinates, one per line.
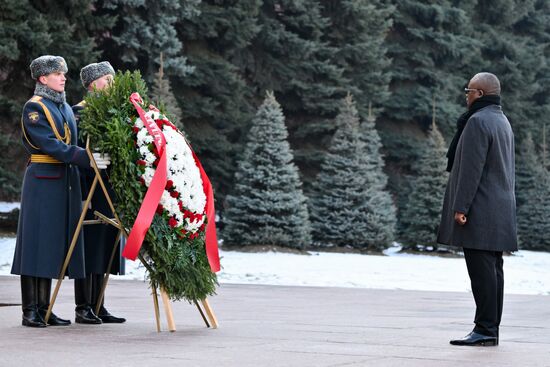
(221, 55)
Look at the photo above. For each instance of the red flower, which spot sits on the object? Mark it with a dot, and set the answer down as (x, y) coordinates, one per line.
(174, 194)
(169, 184)
(201, 228)
(136, 129)
(194, 235)
(141, 162)
(142, 181)
(180, 204)
(156, 162)
(172, 222)
(160, 209)
(187, 214)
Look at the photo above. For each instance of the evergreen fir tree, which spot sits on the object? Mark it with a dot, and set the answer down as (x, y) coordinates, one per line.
(350, 206)
(508, 51)
(338, 204)
(358, 31)
(533, 207)
(290, 56)
(374, 159)
(267, 206)
(544, 149)
(143, 32)
(420, 218)
(218, 103)
(381, 211)
(431, 45)
(162, 94)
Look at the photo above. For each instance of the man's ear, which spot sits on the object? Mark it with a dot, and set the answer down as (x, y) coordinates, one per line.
(42, 79)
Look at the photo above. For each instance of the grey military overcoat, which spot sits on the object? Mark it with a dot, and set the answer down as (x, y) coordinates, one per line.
(51, 201)
(481, 185)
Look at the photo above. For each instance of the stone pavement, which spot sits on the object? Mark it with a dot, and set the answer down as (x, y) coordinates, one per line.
(279, 326)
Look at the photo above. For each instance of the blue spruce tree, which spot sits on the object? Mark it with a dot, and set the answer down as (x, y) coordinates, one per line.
(350, 206)
(420, 218)
(381, 210)
(267, 206)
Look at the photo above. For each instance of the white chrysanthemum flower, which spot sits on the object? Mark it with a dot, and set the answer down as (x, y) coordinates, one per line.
(182, 171)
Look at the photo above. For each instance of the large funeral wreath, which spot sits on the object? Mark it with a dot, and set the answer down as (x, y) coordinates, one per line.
(174, 247)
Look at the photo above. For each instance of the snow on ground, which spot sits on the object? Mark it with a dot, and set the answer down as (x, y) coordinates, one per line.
(6, 207)
(526, 272)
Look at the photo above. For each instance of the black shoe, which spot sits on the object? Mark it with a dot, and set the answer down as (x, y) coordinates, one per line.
(32, 318)
(53, 320)
(85, 315)
(476, 339)
(107, 318)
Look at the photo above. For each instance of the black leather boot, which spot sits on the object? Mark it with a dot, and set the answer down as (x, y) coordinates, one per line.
(84, 314)
(31, 317)
(103, 314)
(44, 291)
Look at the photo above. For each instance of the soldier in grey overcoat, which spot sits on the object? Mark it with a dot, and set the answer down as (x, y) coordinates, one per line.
(50, 196)
(98, 238)
(479, 209)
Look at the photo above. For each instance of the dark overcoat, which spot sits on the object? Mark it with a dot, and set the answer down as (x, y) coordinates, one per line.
(481, 185)
(99, 238)
(51, 202)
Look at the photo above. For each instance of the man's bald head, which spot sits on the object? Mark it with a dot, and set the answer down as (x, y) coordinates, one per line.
(487, 82)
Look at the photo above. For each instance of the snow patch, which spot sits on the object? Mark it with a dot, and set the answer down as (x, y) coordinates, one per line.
(526, 272)
(6, 207)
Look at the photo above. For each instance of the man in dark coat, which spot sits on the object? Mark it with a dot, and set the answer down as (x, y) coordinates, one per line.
(479, 209)
(50, 197)
(99, 239)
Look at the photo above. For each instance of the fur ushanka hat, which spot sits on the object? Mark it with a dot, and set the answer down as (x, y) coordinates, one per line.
(47, 64)
(91, 72)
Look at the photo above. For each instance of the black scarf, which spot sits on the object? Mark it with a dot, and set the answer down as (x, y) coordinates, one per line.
(461, 124)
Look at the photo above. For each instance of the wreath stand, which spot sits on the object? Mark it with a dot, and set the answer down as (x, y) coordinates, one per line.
(210, 318)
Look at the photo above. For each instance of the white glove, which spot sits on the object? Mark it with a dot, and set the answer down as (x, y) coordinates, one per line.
(102, 160)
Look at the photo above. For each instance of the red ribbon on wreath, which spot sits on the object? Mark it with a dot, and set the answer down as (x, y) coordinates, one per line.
(211, 238)
(156, 188)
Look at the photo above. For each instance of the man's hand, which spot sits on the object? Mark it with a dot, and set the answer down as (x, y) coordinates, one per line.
(102, 160)
(460, 218)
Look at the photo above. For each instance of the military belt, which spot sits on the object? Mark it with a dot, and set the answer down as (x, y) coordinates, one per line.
(43, 158)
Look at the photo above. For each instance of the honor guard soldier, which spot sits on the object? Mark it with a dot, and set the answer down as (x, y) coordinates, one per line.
(51, 201)
(99, 239)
